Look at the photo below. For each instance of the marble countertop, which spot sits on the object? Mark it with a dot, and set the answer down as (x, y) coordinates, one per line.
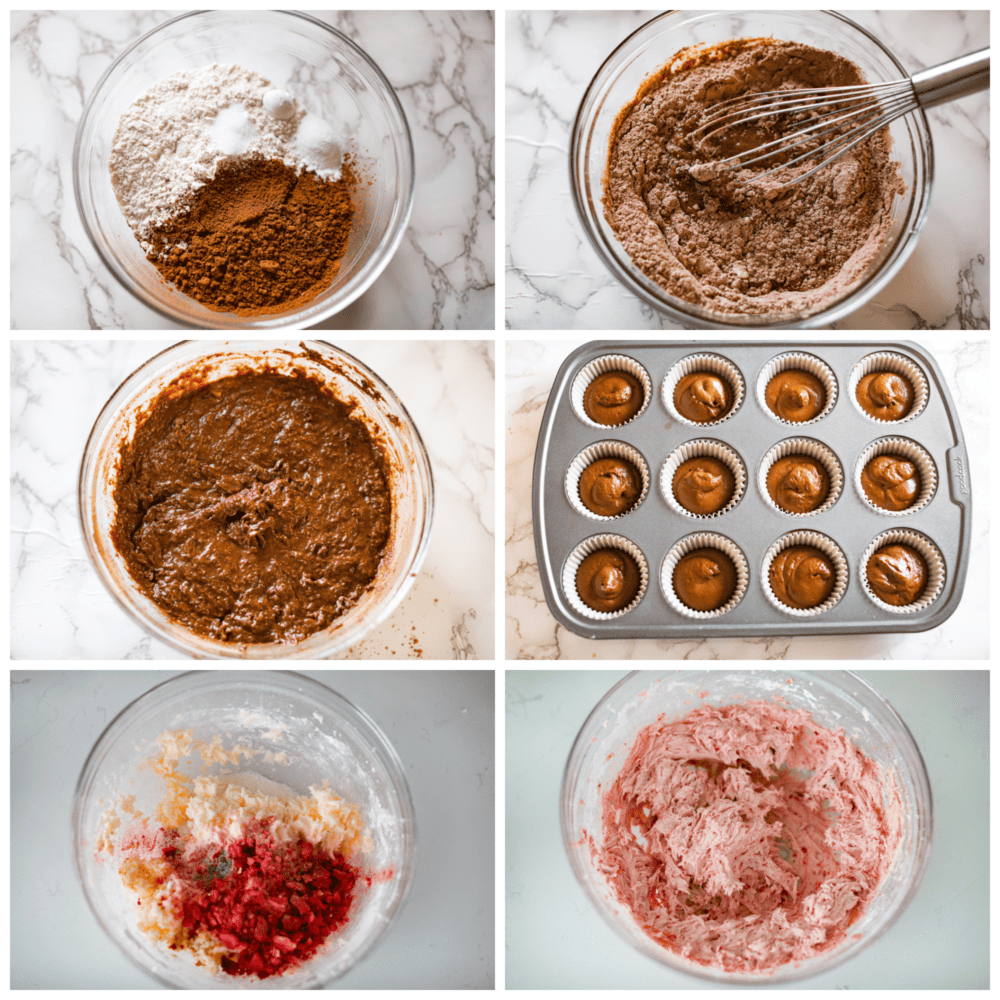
(533, 633)
(59, 608)
(554, 278)
(441, 65)
(557, 940)
(441, 938)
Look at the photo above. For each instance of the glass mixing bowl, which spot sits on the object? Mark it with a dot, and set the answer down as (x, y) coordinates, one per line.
(649, 49)
(836, 700)
(388, 421)
(323, 736)
(328, 74)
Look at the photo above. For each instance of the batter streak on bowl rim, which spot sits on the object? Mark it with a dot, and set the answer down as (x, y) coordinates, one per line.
(723, 242)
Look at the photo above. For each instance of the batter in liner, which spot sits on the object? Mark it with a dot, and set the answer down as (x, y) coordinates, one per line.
(253, 509)
(712, 236)
(747, 836)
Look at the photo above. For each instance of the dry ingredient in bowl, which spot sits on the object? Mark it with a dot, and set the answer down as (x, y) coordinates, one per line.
(239, 197)
(712, 236)
(747, 836)
(236, 870)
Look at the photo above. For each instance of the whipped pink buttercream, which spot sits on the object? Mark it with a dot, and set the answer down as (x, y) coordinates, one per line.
(747, 836)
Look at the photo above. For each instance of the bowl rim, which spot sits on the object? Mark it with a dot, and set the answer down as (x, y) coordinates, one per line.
(921, 781)
(308, 313)
(278, 651)
(694, 317)
(397, 774)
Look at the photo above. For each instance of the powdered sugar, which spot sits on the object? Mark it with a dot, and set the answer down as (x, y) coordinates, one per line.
(174, 137)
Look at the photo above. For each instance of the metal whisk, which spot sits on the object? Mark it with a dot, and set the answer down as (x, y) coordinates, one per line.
(833, 119)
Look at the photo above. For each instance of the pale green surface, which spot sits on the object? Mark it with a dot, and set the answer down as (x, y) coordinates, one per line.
(556, 939)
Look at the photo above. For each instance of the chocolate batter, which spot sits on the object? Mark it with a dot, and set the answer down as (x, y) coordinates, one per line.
(798, 483)
(795, 395)
(254, 509)
(705, 579)
(802, 576)
(897, 574)
(703, 485)
(703, 397)
(885, 395)
(613, 398)
(891, 482)
(610, 486)
(608, 580)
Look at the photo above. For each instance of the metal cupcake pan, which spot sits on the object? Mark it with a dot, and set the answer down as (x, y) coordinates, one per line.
(754, 525)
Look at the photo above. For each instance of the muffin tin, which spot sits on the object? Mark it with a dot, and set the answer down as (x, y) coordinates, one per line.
(754, 525)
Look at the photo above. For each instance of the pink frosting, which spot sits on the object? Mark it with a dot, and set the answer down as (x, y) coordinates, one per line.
(746, 837)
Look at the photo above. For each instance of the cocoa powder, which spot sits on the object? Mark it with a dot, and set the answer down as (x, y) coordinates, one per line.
(715, 237)
(258, 238)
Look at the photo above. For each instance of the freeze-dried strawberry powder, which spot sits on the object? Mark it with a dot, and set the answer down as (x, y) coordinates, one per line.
(273, 904)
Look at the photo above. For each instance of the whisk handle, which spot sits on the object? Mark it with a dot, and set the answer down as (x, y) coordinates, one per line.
(958, 78)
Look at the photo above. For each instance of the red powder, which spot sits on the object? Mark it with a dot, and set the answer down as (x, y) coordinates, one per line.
(273, 904)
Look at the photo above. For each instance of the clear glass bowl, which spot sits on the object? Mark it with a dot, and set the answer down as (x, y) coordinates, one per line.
(648, 49)
(389, 422)
(343, 86)
(326, 737)
(836, 700)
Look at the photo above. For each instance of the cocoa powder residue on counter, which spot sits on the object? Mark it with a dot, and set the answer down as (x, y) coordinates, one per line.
(258, 238)
(720, 241)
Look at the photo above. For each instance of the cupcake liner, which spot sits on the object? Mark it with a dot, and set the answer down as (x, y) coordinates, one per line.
(936, 573)
(703, 540)
(695, 449)
(581, 552)
(609, 363)
(908, 449)
(824, 544)
(804, 362)
(604, 449)
(702, 362)
(888, 362)
(814, 449)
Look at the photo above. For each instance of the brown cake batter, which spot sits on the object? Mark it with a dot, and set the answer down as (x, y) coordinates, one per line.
(798, 483)
(253, 509)
(705, 579)
(613, 398)
(885, 395)
(802, 576)
(610, 486)
(703, 397)
(608, 580)
(891, 482)
(897, 574)
(795, 395)
(703, 485)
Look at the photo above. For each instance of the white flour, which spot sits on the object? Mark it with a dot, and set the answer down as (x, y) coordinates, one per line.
(174, 137)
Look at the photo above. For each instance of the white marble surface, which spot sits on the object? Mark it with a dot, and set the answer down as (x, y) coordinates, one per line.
(555, 280)
(59, 608)
(556, 939)
(441, 64)
(442, 937)
(532, 632)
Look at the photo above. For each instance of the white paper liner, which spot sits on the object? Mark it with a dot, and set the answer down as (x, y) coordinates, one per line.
(702, 362)
(581, 552)
(889, 362)
(609, 363)
(604, 449)
(824, 544)
(908, 449)
(802, 446)
(695, 449)
(703, 540)
(936, 573)
(804, 362)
